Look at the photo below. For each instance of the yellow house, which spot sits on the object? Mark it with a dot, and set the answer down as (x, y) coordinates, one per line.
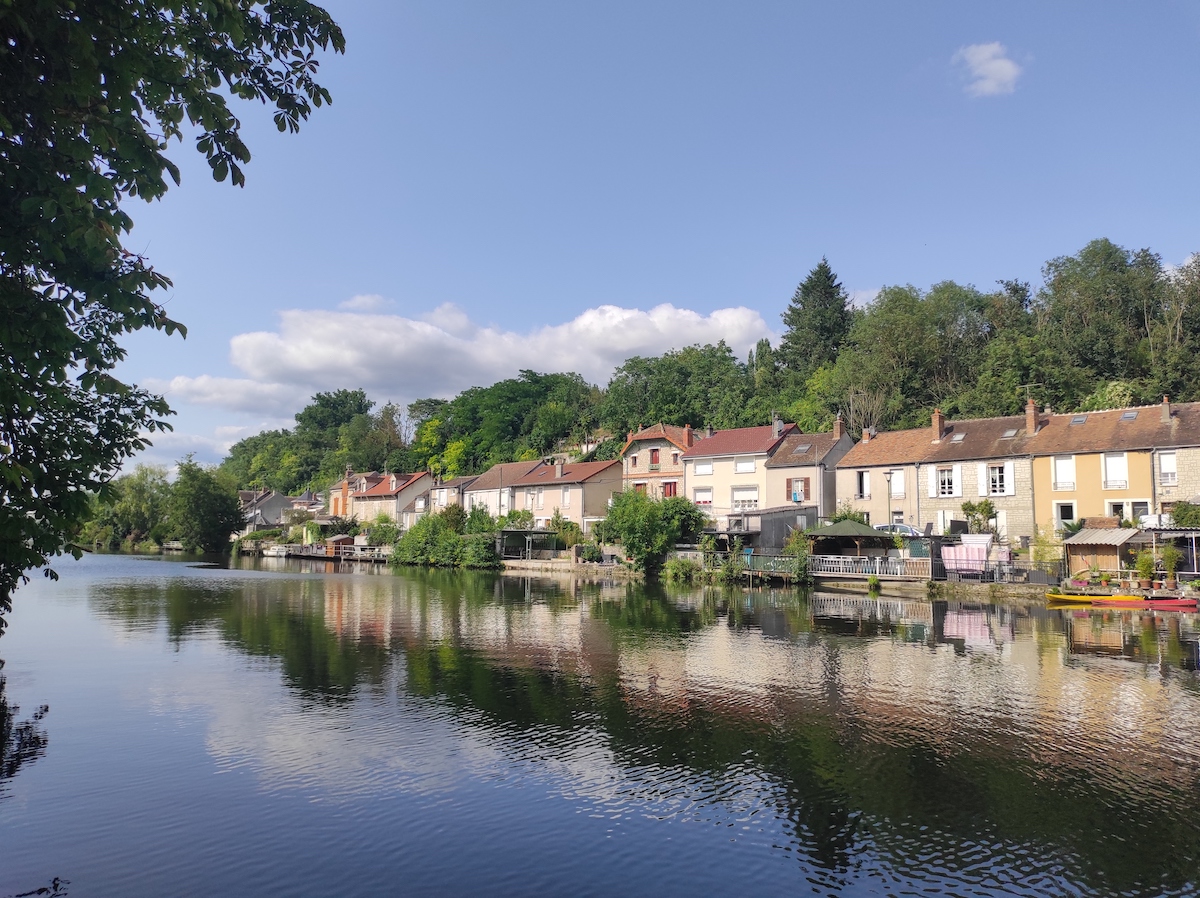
(1121, 463)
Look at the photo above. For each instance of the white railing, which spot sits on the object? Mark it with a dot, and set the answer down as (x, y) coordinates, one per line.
(1064, 486)
(1168, 478)
(1116, 484)
(867, 565)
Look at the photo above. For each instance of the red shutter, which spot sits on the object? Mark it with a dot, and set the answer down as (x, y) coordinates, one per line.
(789, 489)
(804, 485)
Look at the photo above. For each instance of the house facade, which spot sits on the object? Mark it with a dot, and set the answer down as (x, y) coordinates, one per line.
(493, 489)
(344, 493)
(579, 492)
(652, 460)
(922, 477)
(802, 470)
(389, 496)
(726, 474)
(1125, 463)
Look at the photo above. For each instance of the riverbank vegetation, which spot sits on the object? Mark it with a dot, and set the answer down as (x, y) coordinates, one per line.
(142, 510)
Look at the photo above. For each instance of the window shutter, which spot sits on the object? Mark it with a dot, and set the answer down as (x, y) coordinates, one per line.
(790, 495)
(1010, 479)
(983, 478)
(957, 480)
(933, 482)
(804, 489)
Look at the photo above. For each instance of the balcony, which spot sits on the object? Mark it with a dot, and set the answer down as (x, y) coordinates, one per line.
(1061, 486)
(866, 496)
(1116, 484)
(655, 466)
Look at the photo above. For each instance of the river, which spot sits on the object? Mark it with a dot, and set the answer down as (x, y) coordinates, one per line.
(277, 730)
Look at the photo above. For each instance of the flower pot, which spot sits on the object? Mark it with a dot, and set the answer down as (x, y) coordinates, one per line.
(1143, 584)
(1171, 583)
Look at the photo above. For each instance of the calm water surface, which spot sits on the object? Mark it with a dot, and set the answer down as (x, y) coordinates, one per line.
(292, 732)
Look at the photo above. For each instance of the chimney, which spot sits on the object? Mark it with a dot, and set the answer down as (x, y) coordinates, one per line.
(939, 425)
(866, 437)
(1166, 410)
(558, 469)
(776, 426)
(707, 431)
(687, 435)
(1031, 417)
(839, 427)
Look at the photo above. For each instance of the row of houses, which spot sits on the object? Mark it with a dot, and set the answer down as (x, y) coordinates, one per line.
(1040, 470)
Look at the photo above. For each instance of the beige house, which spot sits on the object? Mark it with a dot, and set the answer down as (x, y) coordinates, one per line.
(1126, 463)
(652, 460)
(389, 496)
(580, 492)
(803, 469)
(922, 477)
(726, 473)
(450, 492)
(344, 494)
(493, 489)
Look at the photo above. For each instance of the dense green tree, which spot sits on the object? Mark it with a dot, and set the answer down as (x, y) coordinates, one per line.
(93, 93)
(648, 529)
(204, 508)
(817, 322)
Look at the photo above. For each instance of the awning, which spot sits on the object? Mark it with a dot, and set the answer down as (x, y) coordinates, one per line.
(1116, 536)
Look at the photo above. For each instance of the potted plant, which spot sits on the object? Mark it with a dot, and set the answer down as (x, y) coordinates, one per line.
(1145, 568)
(1170, 559)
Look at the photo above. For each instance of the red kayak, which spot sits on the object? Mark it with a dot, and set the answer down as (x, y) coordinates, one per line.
(1164, 604)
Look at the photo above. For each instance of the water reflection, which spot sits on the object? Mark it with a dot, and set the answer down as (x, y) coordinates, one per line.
(889, 740)
(20, 741)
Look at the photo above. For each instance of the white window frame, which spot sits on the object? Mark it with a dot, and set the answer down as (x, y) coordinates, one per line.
(862, 485)
(945, 481)
(703, 468)
(744, 465)
(1110, 482)
(541, 497)
(1168, 468)
(702, 496)
(745, 503)
(1061, 465)
(1059, 519)
(566, 497)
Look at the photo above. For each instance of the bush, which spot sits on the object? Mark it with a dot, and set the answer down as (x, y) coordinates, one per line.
(591, 553)
(479, 551)
(383, 532)
(432, 543)
(480, 520)
(455, 517)
(680, 570)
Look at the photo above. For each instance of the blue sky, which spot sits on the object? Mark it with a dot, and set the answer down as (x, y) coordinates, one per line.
(560, 186)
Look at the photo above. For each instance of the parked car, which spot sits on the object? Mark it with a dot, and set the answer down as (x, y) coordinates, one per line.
(902, 529)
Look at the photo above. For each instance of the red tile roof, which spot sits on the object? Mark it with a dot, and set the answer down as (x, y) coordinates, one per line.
(739, 441)
(384, 486)
(572, 473)
(673, 434)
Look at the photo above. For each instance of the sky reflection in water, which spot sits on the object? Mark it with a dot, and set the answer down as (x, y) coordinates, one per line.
(302, 733)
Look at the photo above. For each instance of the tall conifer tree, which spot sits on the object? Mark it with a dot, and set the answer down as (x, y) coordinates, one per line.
(817, 319)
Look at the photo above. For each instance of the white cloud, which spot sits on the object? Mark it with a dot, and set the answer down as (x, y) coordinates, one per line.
(860, 299)
(989, 69)
(233, 394)
(405, 358)
(366, 302)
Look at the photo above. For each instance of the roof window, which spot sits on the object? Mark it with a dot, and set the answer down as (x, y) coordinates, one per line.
(958, 438)
(1079, 419)
(1128, 416)
(800, 450)
(1009, 434)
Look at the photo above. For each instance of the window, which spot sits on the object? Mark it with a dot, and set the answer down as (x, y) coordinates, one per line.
(958, 438)
(1063, 472)
(863, 485)
(702, 496)
(1116, 510)
(653, 456)
(541, 497)
(566, 497)
(421, 504)
(1064, 512)
(1129, 416)
(897, 516)
(743, 466)
(441, 497)
(633, 461)
(802, 449)
(797, 489)
(1166, 469)
(945, 481)
(640, 486)
(897, 484)
(1079, 419)
(669, 489)
(1116, 471)
(703, 467)
(996, 480)
(1009, 434)
(745, 498)
(1140, 510)
(675, 459)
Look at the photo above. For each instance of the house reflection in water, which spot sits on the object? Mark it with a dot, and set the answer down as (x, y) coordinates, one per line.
(1167, 639)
